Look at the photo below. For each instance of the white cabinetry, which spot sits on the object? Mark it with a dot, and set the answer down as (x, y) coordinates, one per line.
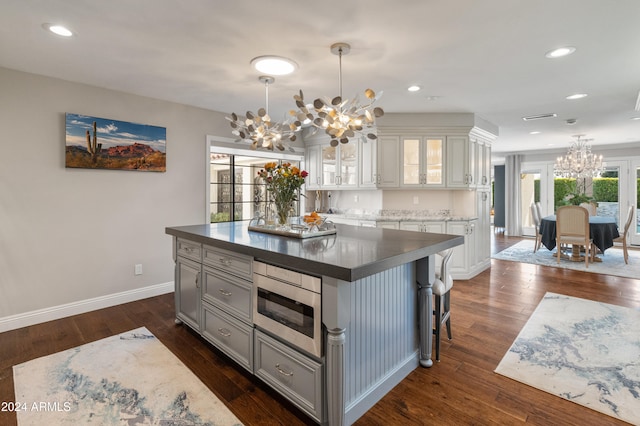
(339, 166)
(313, 166)
(368, 171)
(433, 226)
(463, 258)
(422, 161)
(388, 162)
(460, 162)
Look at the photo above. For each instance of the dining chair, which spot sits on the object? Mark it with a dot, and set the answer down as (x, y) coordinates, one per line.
(539, 209)
(623, 234)
(536, 223)
(442, 294)
(572, 227)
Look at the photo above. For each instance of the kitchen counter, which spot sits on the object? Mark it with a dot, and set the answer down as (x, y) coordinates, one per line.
(352, 253)
(376, 303)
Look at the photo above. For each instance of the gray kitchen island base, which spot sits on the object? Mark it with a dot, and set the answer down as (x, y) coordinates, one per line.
(376, 305)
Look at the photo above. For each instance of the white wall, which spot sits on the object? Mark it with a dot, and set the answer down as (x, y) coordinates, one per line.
(72, 235)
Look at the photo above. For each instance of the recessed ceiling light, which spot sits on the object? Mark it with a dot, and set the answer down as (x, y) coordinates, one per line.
(535, 132)
(432, 98)
(560, 52)
(413, 88)
(58, 29)
(635, 118)
(274, 65)
(577, 96)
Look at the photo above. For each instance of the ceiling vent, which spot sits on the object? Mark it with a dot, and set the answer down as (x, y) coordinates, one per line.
(571, 121)
(539, 117)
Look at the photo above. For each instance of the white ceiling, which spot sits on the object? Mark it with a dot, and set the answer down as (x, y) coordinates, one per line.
(484, 57)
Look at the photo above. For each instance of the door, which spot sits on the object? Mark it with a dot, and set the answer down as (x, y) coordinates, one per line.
(536, 185)
(634, 197)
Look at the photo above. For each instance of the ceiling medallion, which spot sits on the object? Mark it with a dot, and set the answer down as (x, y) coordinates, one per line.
(341, 119)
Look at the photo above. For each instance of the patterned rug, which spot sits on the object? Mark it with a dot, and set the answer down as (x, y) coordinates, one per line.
(612, 260)
(583, 351)
(127, 379)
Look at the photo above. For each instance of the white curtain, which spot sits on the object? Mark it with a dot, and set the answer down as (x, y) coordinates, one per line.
(513, 215)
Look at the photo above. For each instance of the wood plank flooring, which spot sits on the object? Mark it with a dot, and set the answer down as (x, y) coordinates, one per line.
(488, 311)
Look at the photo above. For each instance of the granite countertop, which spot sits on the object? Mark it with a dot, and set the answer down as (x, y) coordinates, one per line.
(398, 215)
(352, 253)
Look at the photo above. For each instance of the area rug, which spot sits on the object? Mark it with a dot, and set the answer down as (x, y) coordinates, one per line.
(583, 351)
(612, 260)
(127, 379)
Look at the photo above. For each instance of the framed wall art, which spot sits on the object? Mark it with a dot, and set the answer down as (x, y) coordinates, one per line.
(101, 143)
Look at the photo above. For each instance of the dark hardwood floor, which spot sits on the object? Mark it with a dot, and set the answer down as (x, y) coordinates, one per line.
(488, 311)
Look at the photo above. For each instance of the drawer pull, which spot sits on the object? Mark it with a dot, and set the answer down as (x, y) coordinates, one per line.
(189, 249)
(224, 292)
(284, 373)
(225, 261)
(224, 332)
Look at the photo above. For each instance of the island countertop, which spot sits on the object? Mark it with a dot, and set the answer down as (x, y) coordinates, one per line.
(352, 253)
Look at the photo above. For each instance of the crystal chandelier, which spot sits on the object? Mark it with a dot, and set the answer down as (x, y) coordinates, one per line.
(340, 118)
(259, 130)
(579, 162)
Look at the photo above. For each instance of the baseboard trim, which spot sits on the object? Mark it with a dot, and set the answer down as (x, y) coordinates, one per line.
(26, 319)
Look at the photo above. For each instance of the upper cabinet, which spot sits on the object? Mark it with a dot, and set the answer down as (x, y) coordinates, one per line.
(422, 161)
(439, 151)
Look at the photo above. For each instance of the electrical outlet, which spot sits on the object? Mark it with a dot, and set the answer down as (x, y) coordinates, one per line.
(355, 198)
(137, 269)
(416, 200)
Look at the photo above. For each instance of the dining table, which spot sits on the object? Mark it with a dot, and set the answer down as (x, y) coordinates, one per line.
(603, 230)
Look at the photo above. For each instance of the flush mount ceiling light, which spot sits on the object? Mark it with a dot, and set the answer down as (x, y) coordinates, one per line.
(560, 52)
(274, 65)
(58, 30)
(340, 118)
(259, 130)
(577, 96)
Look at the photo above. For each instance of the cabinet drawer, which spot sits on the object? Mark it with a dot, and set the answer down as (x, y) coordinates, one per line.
(230, 262)
(295, 376)
(227, 292)
(189, 249)
(231, 336)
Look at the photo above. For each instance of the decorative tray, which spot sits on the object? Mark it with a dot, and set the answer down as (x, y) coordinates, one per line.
(294, 230)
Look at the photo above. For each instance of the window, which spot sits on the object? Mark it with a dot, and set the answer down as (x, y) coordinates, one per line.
(236, 193)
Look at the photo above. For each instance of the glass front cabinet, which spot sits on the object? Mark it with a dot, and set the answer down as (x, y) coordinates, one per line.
(339, 166)
(422, 161)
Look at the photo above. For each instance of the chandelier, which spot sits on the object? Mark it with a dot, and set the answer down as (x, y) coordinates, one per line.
(579, 162)
(259, 130)
(340, 118)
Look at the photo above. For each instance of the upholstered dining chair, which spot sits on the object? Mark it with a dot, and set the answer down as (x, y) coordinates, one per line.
(442, 294)
(624, 233)
(572, 227)
(535, 216)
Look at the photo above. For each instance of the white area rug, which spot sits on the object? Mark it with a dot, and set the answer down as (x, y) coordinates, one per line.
(584, 351)
(612, 260)
(127, 379)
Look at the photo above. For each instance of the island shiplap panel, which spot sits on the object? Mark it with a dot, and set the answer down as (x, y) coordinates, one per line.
(382, 332)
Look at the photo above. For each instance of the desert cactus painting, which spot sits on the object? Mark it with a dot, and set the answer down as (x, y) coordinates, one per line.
(100, 143)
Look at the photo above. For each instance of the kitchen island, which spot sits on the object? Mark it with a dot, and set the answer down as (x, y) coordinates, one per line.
(376, 306)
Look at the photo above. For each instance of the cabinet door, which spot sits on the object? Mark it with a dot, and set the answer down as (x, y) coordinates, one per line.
(188, 295)
(435, 227)
(411, 162)
(312, 159)
(388, 162)
(458, 175)
(368, 163)
(348, 165)
(329, 162)
(459, 258)
(411, 226)
(433, 157)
